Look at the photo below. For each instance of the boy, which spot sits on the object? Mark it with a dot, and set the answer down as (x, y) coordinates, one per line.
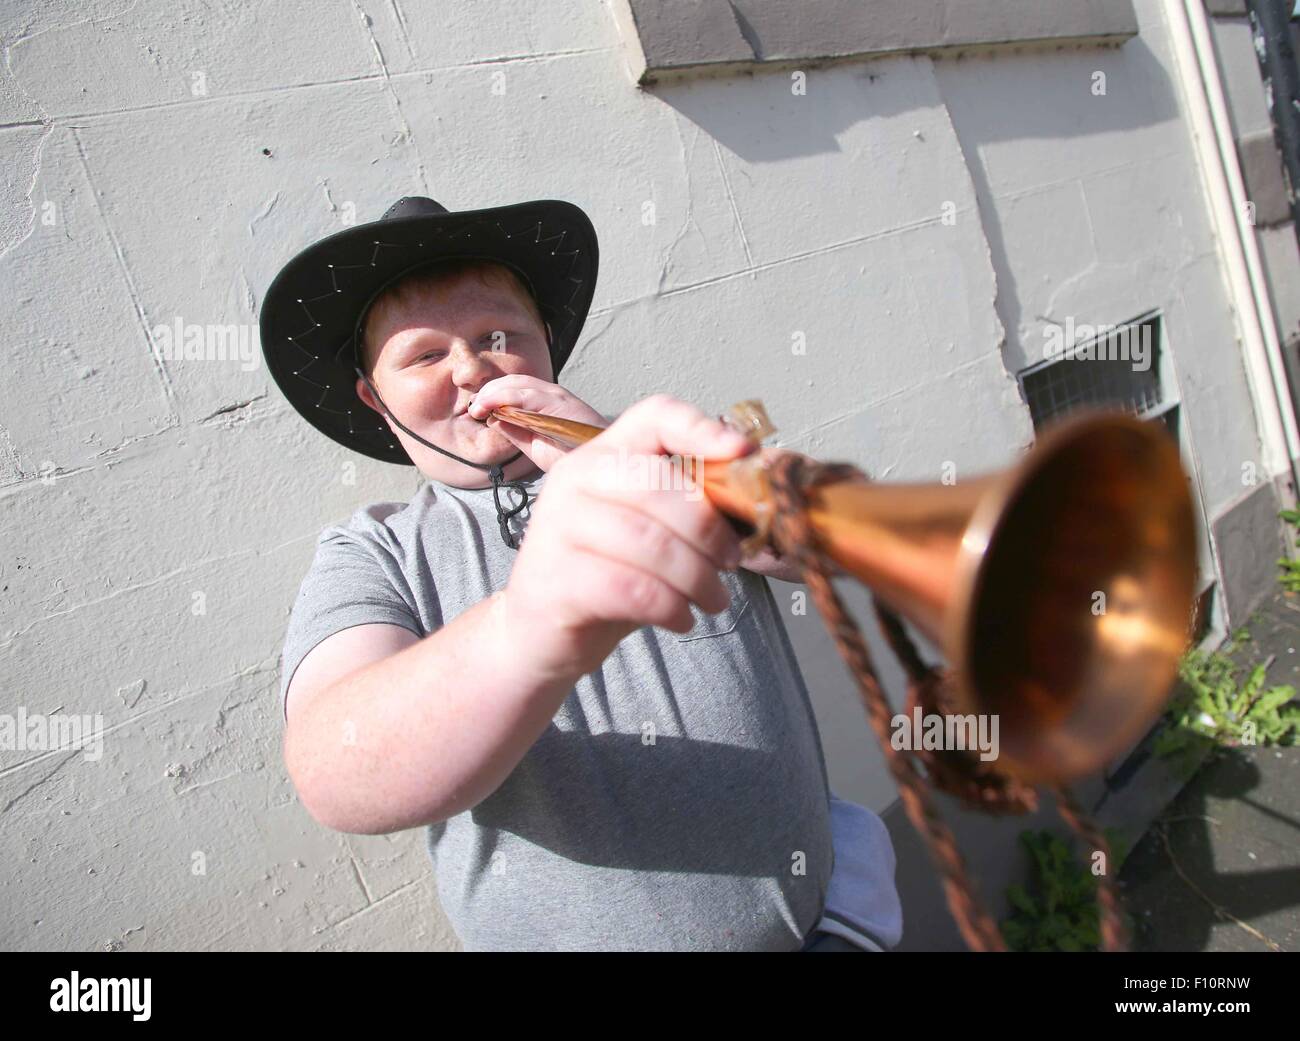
(602, 725)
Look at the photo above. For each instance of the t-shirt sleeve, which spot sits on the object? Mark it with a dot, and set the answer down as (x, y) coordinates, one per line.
(348, 584)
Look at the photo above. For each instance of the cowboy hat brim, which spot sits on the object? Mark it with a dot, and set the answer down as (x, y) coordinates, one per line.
(309, 316)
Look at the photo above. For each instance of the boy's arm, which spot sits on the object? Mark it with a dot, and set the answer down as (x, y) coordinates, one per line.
(418, 735)
(426, 728)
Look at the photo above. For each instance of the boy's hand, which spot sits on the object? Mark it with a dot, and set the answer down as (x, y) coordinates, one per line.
(619, 538)
(532, 395)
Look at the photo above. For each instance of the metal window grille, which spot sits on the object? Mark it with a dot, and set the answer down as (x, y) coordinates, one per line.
(1103, 373)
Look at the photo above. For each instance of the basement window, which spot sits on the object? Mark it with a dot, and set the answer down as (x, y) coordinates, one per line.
(1122, 367)
(1125, 367)
(1110, 367)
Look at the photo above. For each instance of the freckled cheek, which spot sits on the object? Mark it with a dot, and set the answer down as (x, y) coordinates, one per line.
(530, 364)
(428, 397)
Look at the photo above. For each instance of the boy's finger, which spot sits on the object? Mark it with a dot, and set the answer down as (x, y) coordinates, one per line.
(662, 425)
(623, 533)
(518, 390)
(659, 489)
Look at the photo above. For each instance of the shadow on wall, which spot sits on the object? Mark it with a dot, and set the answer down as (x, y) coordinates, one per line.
(1043, 97)
(998, 96)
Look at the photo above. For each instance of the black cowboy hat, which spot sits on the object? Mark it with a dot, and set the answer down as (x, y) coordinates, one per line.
(312, 313)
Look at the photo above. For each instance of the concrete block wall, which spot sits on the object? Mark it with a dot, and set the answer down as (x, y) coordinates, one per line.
(911, 223)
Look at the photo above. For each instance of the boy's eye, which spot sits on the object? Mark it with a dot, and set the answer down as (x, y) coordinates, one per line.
(487, 342)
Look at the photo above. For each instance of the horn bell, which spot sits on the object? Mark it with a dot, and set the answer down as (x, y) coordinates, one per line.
(1059, 589)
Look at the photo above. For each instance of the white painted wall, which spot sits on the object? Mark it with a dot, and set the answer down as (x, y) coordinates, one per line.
(159, 516)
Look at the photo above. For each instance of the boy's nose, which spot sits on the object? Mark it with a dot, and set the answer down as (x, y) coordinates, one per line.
(469, 368)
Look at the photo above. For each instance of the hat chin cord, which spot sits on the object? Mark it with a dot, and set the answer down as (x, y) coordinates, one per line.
(496, 471)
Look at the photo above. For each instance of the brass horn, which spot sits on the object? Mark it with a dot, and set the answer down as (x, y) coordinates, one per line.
(1059, 589)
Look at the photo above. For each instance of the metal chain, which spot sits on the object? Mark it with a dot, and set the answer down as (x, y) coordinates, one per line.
(961, 774)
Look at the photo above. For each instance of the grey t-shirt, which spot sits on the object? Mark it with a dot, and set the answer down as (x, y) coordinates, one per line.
(678, 800)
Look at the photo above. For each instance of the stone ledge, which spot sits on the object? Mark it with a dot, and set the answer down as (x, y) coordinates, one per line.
(1261, 168)
(670, 39)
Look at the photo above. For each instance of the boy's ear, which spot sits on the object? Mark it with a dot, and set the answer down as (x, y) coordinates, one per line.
(363, 392)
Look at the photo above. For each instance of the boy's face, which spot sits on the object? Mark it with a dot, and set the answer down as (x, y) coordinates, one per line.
(432, 351)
